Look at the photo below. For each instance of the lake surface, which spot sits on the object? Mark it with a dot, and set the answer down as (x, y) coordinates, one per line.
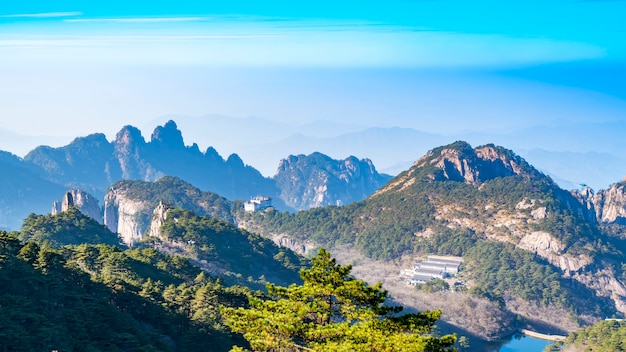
(521, 343)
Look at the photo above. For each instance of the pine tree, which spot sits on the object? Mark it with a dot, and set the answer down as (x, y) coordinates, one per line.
(333, 311)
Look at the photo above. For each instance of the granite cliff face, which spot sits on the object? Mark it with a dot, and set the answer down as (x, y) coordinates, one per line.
(134, 209)
(317, 180)
(610, 204)
(82, 200)
(125, 216)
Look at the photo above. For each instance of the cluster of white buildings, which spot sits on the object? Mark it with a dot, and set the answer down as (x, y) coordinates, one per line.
(435, 267)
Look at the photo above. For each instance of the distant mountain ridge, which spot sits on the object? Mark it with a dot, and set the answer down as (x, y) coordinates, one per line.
(92, 164)
(317, 180)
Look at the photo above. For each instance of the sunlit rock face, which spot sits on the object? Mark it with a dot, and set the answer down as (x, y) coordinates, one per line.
(308, 181)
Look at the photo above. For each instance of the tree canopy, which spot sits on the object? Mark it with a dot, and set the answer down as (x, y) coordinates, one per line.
(333, 311)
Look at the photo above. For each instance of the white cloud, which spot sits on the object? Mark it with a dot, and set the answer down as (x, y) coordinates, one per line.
(44, 15)
(219, 42)
(141, 19)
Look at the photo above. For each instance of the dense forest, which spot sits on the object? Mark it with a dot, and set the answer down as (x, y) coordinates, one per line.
(605, 336)
(100, 297)
(236, 255)
(97, 297)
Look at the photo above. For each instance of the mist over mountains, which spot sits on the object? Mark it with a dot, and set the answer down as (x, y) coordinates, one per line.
(93, 164)
(593, 153)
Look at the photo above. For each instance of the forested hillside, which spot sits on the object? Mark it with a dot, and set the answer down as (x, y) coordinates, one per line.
(220, 248)
(522, 237)
(605, 336)
(100, 297)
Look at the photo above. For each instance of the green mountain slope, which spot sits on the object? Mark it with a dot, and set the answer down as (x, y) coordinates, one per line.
(68, 227)
(605, 336)
(522, 237)
(98, 297)
(220, 248)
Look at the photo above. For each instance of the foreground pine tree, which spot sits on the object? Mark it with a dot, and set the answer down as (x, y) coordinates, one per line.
(332, 311)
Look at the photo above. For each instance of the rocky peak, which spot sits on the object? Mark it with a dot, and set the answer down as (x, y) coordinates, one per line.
(317, 180)
(127, 137)
(234, 161)
(462, 163)
(90, 142)
(213, 156)
(459, 162)
(168, 135)
(610, 204)
(159, 215)
(81, 200)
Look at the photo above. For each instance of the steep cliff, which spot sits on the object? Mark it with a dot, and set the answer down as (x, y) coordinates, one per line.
(125, 216)
(317, 180)
(131, 206)
(82, 200)
(610, 204)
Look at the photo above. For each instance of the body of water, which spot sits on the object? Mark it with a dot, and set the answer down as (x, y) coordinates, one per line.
(521, 343)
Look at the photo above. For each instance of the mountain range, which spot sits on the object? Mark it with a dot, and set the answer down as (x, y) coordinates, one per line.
(540, 256)
(535, 255)
(557, 148)
(93, 164)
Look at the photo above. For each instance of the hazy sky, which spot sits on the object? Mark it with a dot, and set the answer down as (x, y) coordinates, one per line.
(70, 68)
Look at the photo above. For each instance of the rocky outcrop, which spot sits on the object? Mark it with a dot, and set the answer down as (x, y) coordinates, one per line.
(546, 246)
(610, 204)
(159, 215)
(125, 216)
(81, 200)
(134, 209)
(462, 163)
(606, 206)
(295, 245)
(308, 181)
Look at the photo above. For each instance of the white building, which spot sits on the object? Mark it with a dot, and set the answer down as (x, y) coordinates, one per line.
(257, 203)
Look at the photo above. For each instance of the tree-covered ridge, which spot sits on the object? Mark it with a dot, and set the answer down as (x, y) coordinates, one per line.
(176, 193)
(605, 336)
(332, 311)
(237, 255)
(68, 227)
(385, 226)
(469, 214)
(502, 272)
(98, 297)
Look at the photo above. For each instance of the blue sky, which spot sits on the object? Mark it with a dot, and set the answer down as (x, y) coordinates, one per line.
(71, 68)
